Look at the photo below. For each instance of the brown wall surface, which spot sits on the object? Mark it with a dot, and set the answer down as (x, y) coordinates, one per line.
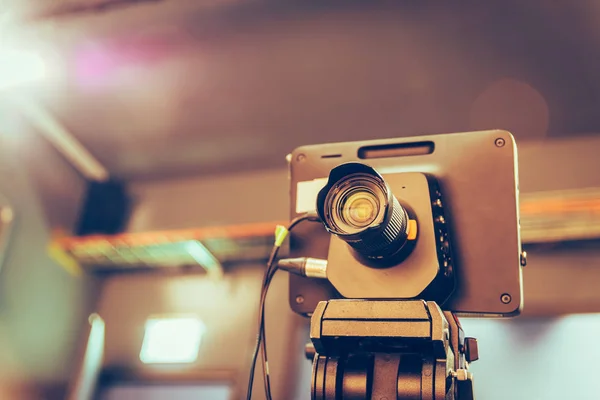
(42, 307)
(227, 307)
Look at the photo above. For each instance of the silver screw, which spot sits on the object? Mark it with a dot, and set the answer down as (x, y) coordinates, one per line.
(300, 157)
(299, 299)
(500, 142)
(505, 298)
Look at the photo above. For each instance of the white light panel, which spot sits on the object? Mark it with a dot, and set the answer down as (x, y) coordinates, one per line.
(171, 340)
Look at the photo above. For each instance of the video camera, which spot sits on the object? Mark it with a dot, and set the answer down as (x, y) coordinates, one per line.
(414, 232)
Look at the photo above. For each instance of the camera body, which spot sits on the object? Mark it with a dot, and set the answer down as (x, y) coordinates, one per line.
(447, 205)
(424, 268)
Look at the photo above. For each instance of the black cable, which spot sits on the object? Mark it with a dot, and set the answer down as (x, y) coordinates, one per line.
(265, 367)
(261, 338)
(310, 216)
(261, 319)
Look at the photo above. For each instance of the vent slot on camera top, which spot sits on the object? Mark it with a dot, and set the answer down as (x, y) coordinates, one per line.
(331, 156)
(396, 150)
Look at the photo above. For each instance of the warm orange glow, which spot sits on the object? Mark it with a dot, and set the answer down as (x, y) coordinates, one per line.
(155, 237)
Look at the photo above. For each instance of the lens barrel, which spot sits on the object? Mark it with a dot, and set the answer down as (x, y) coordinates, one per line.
(358, 206)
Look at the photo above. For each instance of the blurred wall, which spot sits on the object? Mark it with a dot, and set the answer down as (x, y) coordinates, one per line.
(42, 307)
(561, 279)
(544, 358)
(240, 198)
(227, 307)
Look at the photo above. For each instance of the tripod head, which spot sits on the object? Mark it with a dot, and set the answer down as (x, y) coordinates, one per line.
(389, 350)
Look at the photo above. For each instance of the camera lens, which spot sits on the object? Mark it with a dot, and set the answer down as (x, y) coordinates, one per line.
(355, 203)
(358, 206)
(360, 209)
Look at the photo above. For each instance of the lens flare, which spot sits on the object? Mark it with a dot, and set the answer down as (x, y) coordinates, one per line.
(20, 67)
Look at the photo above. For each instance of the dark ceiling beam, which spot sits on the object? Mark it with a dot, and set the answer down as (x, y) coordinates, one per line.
(78, 8)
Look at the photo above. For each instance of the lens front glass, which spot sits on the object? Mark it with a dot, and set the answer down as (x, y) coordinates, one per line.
(356, 203)
(360, 208)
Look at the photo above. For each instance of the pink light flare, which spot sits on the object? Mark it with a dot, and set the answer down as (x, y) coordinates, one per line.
(101, 64)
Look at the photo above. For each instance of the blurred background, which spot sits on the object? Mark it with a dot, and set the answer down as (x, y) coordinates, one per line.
(174, 118)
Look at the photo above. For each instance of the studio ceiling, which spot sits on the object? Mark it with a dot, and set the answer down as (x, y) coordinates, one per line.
(157, 89)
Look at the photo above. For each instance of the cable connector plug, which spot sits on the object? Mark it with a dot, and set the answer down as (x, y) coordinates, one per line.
(305, 266)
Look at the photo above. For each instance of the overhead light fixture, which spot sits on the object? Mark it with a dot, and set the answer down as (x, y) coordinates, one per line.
(170, 340)
(74, 8)
(6, 222)
(25, 59)
(20, 67)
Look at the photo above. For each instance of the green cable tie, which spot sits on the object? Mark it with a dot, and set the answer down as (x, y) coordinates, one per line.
(281, 233)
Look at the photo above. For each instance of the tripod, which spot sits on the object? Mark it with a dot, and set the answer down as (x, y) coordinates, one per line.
(389, 350)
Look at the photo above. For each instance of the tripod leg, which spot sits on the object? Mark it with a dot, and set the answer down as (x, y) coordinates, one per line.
(464, 388)
(325, 378)
(385, 373)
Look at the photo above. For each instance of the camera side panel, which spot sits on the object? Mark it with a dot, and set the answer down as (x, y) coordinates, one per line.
(477, 174)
